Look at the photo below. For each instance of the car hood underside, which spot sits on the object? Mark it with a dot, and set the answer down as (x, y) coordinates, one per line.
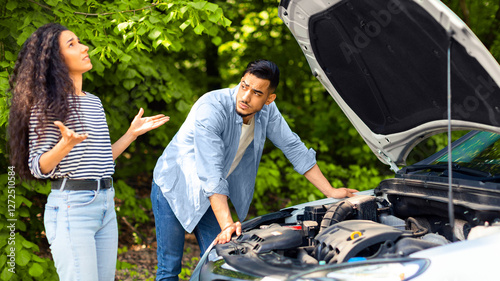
(387, 63)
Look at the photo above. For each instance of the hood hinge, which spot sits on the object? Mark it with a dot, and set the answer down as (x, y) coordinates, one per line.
(389, 161)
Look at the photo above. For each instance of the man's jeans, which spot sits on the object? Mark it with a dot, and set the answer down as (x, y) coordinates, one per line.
(170, 235)
(82, 232)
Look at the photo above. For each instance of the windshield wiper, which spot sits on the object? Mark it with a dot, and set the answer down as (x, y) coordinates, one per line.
(444, 168)
(493, 178)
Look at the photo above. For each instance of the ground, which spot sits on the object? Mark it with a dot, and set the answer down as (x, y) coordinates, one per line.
(144, 259)
(137, 247)
(137, 257)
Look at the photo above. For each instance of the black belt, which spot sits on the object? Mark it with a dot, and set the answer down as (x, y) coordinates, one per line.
(83, 184)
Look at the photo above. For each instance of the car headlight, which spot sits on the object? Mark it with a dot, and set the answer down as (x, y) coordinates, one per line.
(403, 269)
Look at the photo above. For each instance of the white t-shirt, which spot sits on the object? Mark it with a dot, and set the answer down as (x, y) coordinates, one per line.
(245, 139)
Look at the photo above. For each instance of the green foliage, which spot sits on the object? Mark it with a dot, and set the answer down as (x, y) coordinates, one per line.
(144, 54)
(187, 269)
(257, 32)
(135, 208)
(162, 56)
(20, 260)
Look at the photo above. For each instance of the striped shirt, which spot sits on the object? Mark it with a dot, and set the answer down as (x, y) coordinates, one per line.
(90, 159)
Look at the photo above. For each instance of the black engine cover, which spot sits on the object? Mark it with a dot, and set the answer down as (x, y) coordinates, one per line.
(355, 238)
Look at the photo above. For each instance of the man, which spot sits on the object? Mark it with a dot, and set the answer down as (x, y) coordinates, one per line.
(215, 155)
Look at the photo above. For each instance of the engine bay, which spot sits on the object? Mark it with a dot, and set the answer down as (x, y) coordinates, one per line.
(359, 228)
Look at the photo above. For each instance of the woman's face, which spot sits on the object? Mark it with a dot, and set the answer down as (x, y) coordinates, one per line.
(74, 53)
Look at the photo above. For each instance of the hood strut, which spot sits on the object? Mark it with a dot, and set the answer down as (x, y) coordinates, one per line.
(451, 211)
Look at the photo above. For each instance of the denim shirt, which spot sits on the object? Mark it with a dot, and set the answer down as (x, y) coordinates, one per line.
(196, 162)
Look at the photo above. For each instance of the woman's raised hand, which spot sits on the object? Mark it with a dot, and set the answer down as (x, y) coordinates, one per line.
(70, 137)
(141, 125)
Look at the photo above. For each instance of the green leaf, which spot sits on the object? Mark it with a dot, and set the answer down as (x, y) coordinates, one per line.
(26, 33)
(142, 30)
(130, 73)
(45, 188)
(78, 3)
(27, 202)
(27, 244)
(156, 43)
(123, 26)
(131, 46)
(115, 49)
(154, 34)
(24, 212)
(217, 40)
(6, 274)
(52, 2)
(4, 33)
(226, 22)
(154, 20)
(35, 270)
(198, 5)
(3, 260)
(211, 7)
(216, 16)
(128, 36)
(182, 106)
(183, 10)
(129, 84)
(169, 17)
(21, 225)
(199, 29)
(23, 257)
(38, 259)
(185, 24)
(11, 5)
(125, 58)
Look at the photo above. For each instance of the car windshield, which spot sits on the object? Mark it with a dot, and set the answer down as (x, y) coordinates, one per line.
(480, 152)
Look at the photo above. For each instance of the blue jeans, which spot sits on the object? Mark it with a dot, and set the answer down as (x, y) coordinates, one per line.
(82, 232)
(170, 235)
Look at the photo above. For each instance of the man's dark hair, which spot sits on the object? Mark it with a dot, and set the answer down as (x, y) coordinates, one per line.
(264, 69)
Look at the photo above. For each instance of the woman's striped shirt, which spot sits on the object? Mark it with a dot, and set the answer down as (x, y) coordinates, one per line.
(90, 159)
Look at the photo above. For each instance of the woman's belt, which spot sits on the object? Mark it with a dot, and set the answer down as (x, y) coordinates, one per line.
(70, 184)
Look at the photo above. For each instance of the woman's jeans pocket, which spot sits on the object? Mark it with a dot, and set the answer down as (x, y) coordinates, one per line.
(50, 222)
(81, 198)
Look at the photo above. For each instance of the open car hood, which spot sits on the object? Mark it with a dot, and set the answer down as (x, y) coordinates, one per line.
(386, 64)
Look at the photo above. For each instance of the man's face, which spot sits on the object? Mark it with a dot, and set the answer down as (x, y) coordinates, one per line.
(253, 93)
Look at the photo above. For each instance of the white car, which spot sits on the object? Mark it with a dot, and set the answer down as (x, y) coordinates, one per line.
(401, 70)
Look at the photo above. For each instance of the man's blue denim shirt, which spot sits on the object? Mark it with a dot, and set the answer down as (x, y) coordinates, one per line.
(195, 163)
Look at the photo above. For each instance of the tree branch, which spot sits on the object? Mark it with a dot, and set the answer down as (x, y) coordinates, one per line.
(41, 5)
(136, 231)
(120, 12)
(96, 14)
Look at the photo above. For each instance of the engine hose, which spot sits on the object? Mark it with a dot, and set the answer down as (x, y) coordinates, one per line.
(416, 227)
(304, 257)
(336, 213)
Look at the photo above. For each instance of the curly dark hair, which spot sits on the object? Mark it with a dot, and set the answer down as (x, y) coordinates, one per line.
(40, 79)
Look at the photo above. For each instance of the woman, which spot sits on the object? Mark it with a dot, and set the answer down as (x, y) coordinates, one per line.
(59, 132)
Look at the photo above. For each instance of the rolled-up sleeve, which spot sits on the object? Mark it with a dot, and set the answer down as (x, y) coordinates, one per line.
(278, 131)
(39, 144)
(209, 149)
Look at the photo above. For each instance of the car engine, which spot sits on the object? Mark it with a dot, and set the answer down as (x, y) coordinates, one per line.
(362, 227)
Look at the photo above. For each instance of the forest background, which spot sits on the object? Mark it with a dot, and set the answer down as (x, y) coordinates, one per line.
(162, 56)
